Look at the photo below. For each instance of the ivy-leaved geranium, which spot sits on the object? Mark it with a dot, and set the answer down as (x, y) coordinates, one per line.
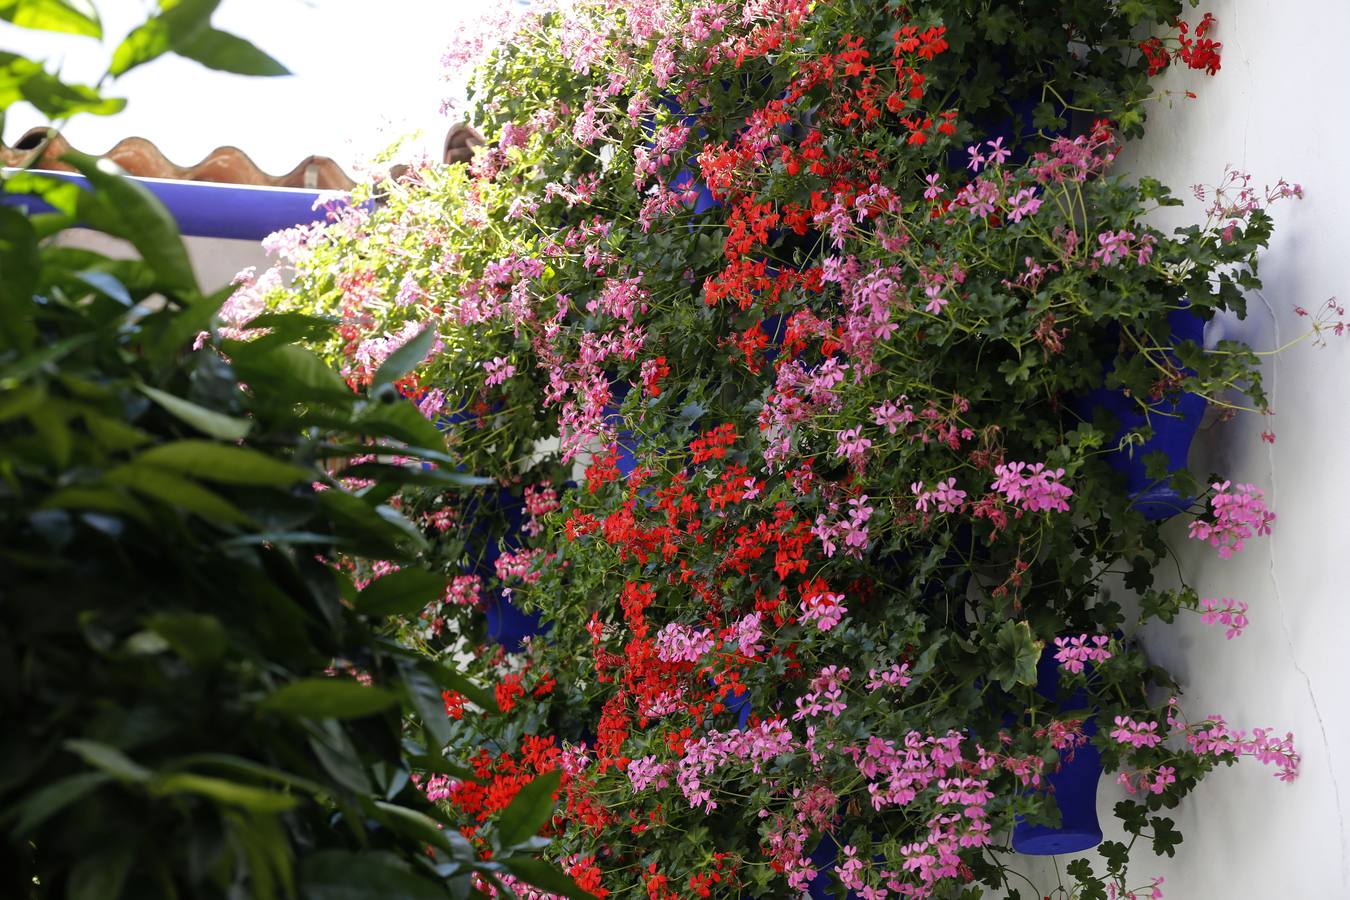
(785, 328)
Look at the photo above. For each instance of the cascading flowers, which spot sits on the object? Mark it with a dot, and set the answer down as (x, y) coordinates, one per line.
(775, 320)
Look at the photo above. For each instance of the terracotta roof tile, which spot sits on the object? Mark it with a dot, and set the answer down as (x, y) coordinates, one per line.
(224, 165)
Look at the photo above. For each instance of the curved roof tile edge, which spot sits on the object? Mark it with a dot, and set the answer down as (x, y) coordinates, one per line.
(139, 156)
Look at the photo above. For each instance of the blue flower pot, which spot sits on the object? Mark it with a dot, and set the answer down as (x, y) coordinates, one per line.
(1074, 786)
(824, 858)
(685, 179)
(1174, 426)
(506, 624)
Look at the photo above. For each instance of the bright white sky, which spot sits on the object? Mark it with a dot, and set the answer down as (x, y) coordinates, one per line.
(366, 72)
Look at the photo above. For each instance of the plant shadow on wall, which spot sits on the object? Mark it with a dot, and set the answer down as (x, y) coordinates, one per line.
(857, 444)
(202, 693)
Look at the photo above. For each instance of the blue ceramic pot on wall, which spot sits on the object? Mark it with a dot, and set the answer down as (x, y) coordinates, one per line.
(1074, 786)
(506, 624)
(1174, 426)
(685, 179)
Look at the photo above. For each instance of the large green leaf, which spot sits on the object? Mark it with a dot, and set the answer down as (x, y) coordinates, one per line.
(59, 100)
(231, 793)
(109, 759)
(425, 829)
(545, 876)
(221, 50)
(328, 698)
(20, 263)
(404, 359)
(101, 875)
(1017, 653)
(217, 425)
(402, 593)
(126, 209)
(223, 463)
(101, 499)
(179, 22)
(288, 371)
(451, 679)
(175, 490)
(401, 421)
(52, 15)
(343, 875)
(197, 637)
(529, 810)
(49, 800)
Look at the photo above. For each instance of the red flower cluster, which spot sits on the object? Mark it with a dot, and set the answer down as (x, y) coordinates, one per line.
(1198, 52)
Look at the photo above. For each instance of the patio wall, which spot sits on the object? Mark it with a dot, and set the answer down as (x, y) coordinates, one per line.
(1277, 109)
(215, 260)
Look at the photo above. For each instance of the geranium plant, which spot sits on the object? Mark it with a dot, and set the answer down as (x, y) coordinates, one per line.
(778, 323)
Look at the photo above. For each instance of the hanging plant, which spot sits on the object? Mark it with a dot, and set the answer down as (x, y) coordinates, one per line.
(837, 491)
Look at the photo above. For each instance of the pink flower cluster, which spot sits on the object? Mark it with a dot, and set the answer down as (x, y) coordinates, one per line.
(824, 608)
(498, 370)
(1213, 736)
(463, 590)
(1233, 614)
(946, 495)
(682, 643)
(826, 695)
(540, 500)
(1147, 780)
(1239, 514)
(756, 745)
(1075, 653)
(1136, 734)
(645, 772)
(894, 677)
(1032, 488)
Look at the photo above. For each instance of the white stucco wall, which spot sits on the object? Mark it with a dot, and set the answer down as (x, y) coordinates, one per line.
(1277, 109)
(215, 260)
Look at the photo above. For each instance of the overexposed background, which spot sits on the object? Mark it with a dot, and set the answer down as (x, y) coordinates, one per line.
(365, 73)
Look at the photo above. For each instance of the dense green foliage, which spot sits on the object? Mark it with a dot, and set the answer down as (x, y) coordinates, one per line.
(197, 701)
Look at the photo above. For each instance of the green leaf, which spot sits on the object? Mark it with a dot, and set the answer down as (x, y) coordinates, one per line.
(174, 490)
(180, 22)
(114, 434)
(51, 15)
(109, 759)
(451, 679)
(217, 425)
(102, 499)
(529, 811)
(178, 327)
(1165, 836)
(223, 51)
(1017, 654)
(230, 793)
(125, 208)
(20, 262)
(425, 829)
(404, 359)
(545, 876)
(401, 421)
(402, 593)
(223, 463)
(343, 875)
(42, 804)
(289, 371)
(100, 876)
(197, 637)
(59, 100)
(328, 698)
(106, 284)
(424, 698)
